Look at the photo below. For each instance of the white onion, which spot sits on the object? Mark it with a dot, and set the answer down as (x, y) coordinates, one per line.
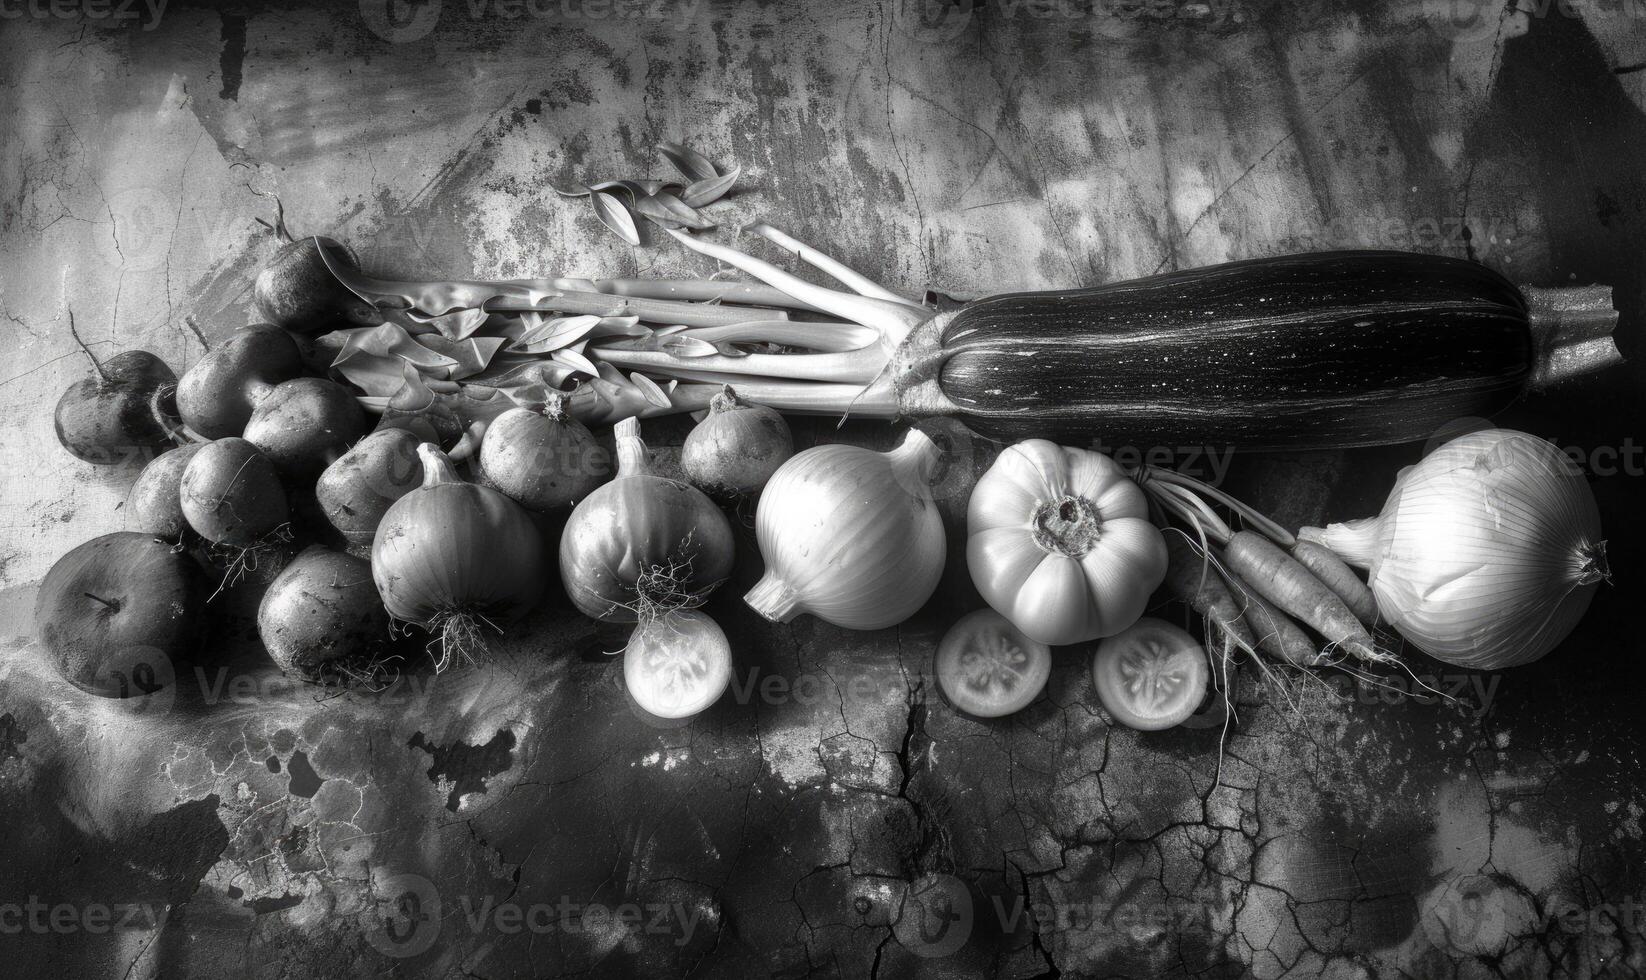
(850, 535)
(1487, 552)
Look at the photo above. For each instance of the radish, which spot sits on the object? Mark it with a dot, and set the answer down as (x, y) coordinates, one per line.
(305, 424)
(216, 396)
(232, 496)
(115, 613)
(356, 491)
(128, 410)
(322, 608)
(296, 292)
(154, 505)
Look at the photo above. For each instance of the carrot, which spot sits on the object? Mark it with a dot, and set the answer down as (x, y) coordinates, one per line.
(1280, 579)
(1194, 579)
(1276, 634)
(1340, 578)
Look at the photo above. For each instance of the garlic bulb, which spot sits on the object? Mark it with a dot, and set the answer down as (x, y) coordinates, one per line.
(850, 535)
(1487, 552)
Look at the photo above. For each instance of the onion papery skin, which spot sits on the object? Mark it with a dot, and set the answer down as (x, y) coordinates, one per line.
(624, 533)
(1487, 552)
(454, 548)
(850, 535)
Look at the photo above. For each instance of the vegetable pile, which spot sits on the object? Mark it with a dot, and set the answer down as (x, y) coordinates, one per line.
(348, 490)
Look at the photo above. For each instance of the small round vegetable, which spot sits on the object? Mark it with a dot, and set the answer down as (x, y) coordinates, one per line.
(452, 556)
(1486, 553)
(154, 505)
(850, 535)
(129, 409)
(1151, 676)
(988, 668)
(356, 491)
(1061, 544)
(736, 448)
(677, 664)
(296, 291)
(116, 612)
(322, 607)
(643, 543)
(231, 494)
(542, 458)
(216, 396)
(305, 424)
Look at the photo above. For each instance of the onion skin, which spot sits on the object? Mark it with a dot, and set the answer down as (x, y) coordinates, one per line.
(621, 535)
(216, 396)
(295, 291)
(541, 458)
(306, 424)
(116, 612)
(155, 505)
(231, 494)
(322, 607)
(1486, 554)
(359, 488)
(737, 447)
(850, 535)
(453, 548)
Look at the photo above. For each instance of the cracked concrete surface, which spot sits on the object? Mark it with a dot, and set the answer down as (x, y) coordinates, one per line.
(519, 819)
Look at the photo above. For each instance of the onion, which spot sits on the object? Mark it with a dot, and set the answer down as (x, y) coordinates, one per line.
(737, 447)
(450, 556)
(231, 494)
(643, 544)
(1487, 552)
(357, 490)
(850, 535)
(542, 458)
(154, 505)
(320, 609)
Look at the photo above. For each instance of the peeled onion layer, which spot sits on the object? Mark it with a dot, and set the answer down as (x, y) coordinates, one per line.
(1486, 554)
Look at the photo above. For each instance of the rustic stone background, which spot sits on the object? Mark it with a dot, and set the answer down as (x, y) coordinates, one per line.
(243, 826)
